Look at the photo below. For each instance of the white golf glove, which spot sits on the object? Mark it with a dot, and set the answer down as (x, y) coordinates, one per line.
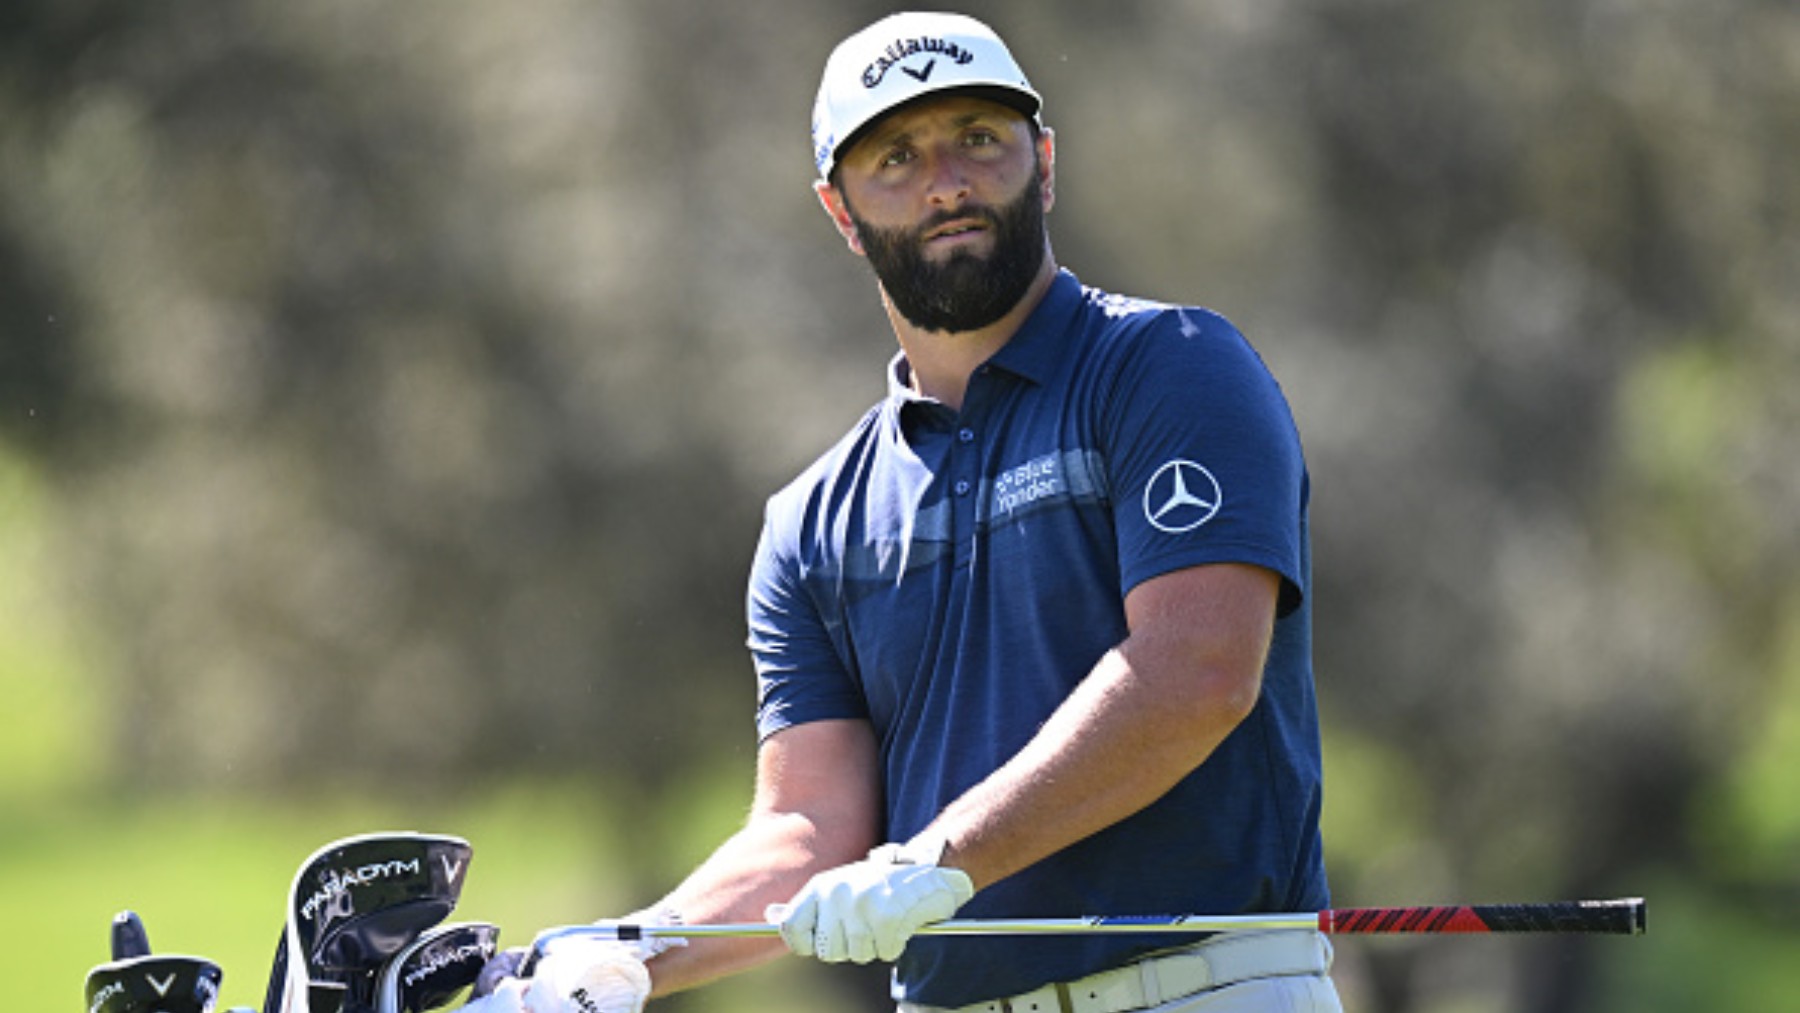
(589, 976)
(578, 974)
(508, 998)
(868, 910)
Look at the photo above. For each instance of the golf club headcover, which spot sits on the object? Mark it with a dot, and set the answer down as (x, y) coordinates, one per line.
(436, 967)
(129, 937)
(361, 900)
(152, 984)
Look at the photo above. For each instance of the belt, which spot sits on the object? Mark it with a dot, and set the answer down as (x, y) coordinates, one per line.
(1224, 960)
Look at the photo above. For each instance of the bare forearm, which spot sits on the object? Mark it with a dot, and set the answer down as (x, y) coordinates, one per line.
(1149, 713)
(763, 864)
(816, 807)
(1111, 750)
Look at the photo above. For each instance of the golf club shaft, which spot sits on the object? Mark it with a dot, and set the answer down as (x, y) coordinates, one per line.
(1615, 917)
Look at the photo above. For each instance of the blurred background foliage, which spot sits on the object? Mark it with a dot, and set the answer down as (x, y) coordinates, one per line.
(388, 394)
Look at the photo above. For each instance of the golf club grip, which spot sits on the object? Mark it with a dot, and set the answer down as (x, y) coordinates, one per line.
(1616, 917)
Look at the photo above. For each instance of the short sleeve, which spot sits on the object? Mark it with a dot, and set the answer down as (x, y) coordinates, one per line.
(1202, 456)
(800, 672)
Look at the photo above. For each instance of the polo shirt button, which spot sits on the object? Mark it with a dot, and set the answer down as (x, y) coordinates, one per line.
(966, 435)
(962, 487)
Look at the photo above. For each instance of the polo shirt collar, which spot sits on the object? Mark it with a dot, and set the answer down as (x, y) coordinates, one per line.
(1032, 353)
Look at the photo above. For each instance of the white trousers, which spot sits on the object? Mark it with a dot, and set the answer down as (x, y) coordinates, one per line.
(1251, 972)
(1292, 994)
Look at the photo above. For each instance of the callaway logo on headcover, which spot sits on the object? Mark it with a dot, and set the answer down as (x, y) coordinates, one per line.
(903, 48)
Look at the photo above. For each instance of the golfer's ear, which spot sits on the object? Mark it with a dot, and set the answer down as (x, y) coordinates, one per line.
(1047, 166)
(833, 200)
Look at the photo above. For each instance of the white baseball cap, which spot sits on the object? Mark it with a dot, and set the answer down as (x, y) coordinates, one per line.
(903, 57)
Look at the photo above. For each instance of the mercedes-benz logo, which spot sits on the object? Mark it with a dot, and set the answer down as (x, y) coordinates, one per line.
(1181, 496)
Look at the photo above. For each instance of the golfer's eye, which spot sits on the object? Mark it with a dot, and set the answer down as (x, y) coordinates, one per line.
(980, 138)
(898, 156)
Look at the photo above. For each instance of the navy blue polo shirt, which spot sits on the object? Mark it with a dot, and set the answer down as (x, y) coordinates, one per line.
(949, 576)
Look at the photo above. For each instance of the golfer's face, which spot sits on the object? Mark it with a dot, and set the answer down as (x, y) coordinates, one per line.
(941, 170)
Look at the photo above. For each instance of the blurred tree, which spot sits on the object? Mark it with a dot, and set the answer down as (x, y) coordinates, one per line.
(407, 387)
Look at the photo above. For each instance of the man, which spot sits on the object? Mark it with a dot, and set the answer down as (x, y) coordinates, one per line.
(1033, 639)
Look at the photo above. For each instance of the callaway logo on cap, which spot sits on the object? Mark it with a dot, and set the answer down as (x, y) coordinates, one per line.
(903, 57)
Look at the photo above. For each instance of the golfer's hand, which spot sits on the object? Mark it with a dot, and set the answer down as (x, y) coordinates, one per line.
(508, 997)
(868, 910)
(589, 976)
(500, 969)
(575, 976)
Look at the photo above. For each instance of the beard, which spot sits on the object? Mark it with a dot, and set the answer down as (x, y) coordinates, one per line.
(965, 292)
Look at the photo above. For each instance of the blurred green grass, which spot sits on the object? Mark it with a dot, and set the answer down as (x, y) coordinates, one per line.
(210, 877)
(209, 873)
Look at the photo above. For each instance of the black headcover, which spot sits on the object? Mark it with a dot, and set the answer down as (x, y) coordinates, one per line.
(353, 905)
(436, 967)
(358, 901)
(129, 937)
(149, 984)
